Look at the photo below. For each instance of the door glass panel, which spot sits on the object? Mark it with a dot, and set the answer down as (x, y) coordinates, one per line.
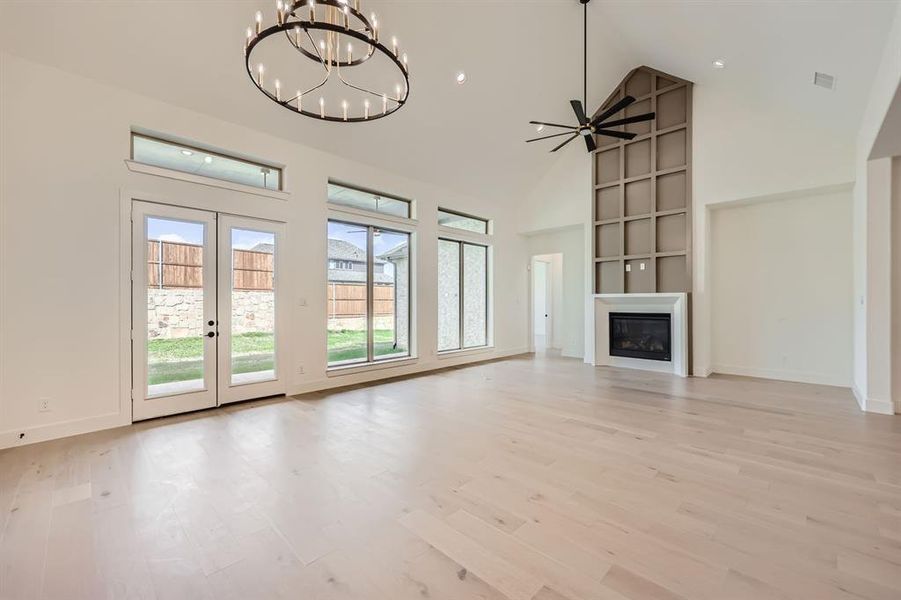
(391, 294)
(252, 306)
(448, 295)
(175, 306)
(475, 294)
(347, 296)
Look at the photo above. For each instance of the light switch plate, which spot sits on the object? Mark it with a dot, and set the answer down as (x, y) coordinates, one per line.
(628, 268)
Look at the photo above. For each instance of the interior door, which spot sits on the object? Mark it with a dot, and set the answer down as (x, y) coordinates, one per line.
(251, 351)
(174, 344)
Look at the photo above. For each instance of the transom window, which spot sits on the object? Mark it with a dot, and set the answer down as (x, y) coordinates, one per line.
(447, 218)
(369, 201)
(198, 161)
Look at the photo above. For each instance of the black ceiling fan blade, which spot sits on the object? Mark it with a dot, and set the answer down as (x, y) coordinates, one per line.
(580, 112)
(617, 134)
(600, 116)
(589, 143)
(568, 140)
(551, 124)
(538, 139)
(627, 120)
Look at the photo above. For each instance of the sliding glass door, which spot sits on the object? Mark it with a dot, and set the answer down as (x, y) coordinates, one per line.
(368, 294)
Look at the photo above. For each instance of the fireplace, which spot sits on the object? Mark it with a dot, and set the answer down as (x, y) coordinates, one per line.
(641, 335)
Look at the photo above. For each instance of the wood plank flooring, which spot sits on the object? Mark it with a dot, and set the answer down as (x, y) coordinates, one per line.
(524, 479)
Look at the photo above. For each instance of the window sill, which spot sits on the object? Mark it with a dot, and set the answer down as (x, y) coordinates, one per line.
(138, 167)
(464, 352)
(370, 366)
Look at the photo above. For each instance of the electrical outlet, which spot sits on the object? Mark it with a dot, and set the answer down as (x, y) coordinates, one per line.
(44, 405)
(300, 369)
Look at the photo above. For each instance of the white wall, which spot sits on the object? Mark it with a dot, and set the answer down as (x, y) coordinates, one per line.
(569, 318)
(872, 238)
(781, 288)
(62, 177)
(896, 284)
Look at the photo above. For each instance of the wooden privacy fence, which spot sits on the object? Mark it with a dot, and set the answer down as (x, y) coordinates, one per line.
(349, 300)
(179, 265)
(172, 265)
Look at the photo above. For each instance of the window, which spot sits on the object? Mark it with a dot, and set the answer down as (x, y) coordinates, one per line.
(448, 218)
(190, 159)
(370, 201)
(462, 295)
(368, 293)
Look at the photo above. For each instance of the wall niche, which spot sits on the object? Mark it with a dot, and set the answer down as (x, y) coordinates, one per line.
(642, 190)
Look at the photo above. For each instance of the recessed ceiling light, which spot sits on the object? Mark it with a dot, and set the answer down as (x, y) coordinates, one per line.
(187, 152)
(207, 159)
(461, 77)
(719, 64)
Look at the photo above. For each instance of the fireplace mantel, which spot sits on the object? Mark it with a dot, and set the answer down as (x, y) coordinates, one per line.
(676, 304)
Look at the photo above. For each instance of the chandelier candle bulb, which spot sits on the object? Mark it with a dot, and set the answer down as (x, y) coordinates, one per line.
(346, 19)
(406, 66)
(350, 53)
(394, 44)
(344, 108)
(260, 70)
(249, 38)
(397, 91)
(297, 36)
(384, 103)
(279, 11)
(321, 107)
(375, 28)
(312, 11)
(357, 5)
(299, 101)
(366, 108)
(278, 90)
(259, 20)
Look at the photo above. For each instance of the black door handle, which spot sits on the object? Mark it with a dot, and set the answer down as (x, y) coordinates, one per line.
(211, 334)
(211, 323)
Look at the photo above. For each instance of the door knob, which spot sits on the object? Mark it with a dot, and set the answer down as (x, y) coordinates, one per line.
(211, 334)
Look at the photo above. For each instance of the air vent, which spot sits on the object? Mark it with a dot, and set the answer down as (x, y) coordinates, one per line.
(824, 81)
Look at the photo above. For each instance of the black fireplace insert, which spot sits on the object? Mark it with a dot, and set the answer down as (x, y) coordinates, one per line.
(641, 335)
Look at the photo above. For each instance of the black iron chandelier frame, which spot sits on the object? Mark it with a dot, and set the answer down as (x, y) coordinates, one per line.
(368, 35)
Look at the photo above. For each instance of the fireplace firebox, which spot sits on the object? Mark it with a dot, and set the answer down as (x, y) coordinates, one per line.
(641, 335)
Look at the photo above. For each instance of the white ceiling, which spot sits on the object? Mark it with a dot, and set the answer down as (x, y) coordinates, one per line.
(522, 59)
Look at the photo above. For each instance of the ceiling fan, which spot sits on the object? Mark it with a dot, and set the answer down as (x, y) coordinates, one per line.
(598, 124)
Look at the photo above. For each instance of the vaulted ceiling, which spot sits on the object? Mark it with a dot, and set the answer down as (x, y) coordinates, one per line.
(522, 60)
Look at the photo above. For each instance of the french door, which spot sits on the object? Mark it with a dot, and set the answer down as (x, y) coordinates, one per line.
(206, 309)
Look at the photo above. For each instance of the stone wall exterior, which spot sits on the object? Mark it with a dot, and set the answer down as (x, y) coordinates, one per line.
(177, 313)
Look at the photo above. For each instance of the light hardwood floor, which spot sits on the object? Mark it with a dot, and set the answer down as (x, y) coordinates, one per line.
(525, 479)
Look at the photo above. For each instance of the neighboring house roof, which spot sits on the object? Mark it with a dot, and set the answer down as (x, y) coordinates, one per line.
(399, 252)
(264, 247)
(343, 250)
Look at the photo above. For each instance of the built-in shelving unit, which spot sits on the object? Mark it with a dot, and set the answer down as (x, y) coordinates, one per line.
(642, 191)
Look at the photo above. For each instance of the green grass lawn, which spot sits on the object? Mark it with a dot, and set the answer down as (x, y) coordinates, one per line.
(181, 359)
(351, 345)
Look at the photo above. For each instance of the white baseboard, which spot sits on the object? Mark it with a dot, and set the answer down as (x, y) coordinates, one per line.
(782, 375)
(400, 371)
(52, 431)
(879, 406)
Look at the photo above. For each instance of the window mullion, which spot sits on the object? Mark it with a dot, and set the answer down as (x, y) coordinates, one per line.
(370, 293)
(460, 298)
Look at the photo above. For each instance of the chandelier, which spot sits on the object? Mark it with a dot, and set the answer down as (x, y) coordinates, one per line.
(336, 43)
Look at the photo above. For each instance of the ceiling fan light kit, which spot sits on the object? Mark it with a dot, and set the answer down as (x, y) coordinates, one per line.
(598, 124)
(324, 31)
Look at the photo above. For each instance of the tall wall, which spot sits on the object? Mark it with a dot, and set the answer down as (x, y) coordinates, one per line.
(781, 285)
(64, 190)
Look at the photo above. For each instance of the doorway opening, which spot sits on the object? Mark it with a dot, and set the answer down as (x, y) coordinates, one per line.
(205, 309)
(546, 301)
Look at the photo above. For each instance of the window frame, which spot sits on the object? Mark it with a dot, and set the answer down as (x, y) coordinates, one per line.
(200, 148)
(462, 347)
(371, 359)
